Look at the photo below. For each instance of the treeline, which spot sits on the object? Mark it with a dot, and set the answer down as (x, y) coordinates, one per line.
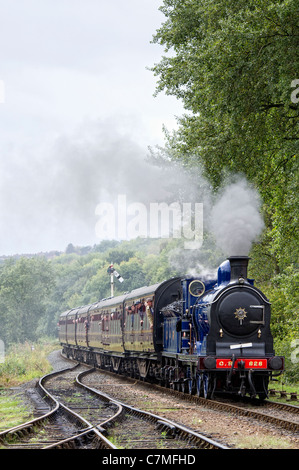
(35, 289)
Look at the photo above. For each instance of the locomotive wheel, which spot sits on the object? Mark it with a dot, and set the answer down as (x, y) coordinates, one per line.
(190, 386)
(199, 386)
(206, 386)
(262, 385)
(176, 386)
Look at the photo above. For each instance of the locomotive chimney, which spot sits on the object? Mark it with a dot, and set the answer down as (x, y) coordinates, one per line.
(238, 268)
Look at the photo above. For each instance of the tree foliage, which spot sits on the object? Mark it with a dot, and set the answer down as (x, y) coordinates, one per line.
(25, 285)
(232, 64)
(34, 291)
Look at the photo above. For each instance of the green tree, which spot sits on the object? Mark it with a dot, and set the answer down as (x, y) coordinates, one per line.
(232, 64)
(25, 286)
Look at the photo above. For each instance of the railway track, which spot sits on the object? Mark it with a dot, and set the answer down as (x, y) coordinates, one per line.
(142, 429)
(251, 409)
(56, 425)
(280, 415)
(73, 411)
(74, 415)
(266, 415)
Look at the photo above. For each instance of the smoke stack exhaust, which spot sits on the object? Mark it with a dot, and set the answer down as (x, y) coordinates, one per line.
(238, 268)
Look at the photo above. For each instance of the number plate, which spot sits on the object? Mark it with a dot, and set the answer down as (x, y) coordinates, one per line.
(249, 363)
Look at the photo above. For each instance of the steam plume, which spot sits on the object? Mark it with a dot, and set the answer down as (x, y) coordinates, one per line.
(236, 221)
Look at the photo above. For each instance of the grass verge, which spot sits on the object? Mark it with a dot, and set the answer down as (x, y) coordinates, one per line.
(12, 411)
(23, 363)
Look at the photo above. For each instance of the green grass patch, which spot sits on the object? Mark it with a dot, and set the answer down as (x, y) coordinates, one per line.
(12, 411)
(24, 362)
(263, 442)
(289, 388)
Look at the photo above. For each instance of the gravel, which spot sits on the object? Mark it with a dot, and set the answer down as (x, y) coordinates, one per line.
(58, 362)
(233, 431)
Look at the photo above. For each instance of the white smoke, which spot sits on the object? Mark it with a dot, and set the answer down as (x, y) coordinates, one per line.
(232, 222)
(236, 221)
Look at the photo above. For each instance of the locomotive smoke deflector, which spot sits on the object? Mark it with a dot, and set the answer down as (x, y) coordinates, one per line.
(238, 268)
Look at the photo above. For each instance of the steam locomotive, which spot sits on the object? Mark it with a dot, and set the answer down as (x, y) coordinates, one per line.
(197, 335)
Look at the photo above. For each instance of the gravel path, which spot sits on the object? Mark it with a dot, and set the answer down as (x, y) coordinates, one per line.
(58, 362)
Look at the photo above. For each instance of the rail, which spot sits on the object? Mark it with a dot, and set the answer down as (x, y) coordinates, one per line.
(165, 425)
(57, 408)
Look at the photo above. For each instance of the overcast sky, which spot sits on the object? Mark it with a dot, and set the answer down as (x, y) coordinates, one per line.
(77, 115)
